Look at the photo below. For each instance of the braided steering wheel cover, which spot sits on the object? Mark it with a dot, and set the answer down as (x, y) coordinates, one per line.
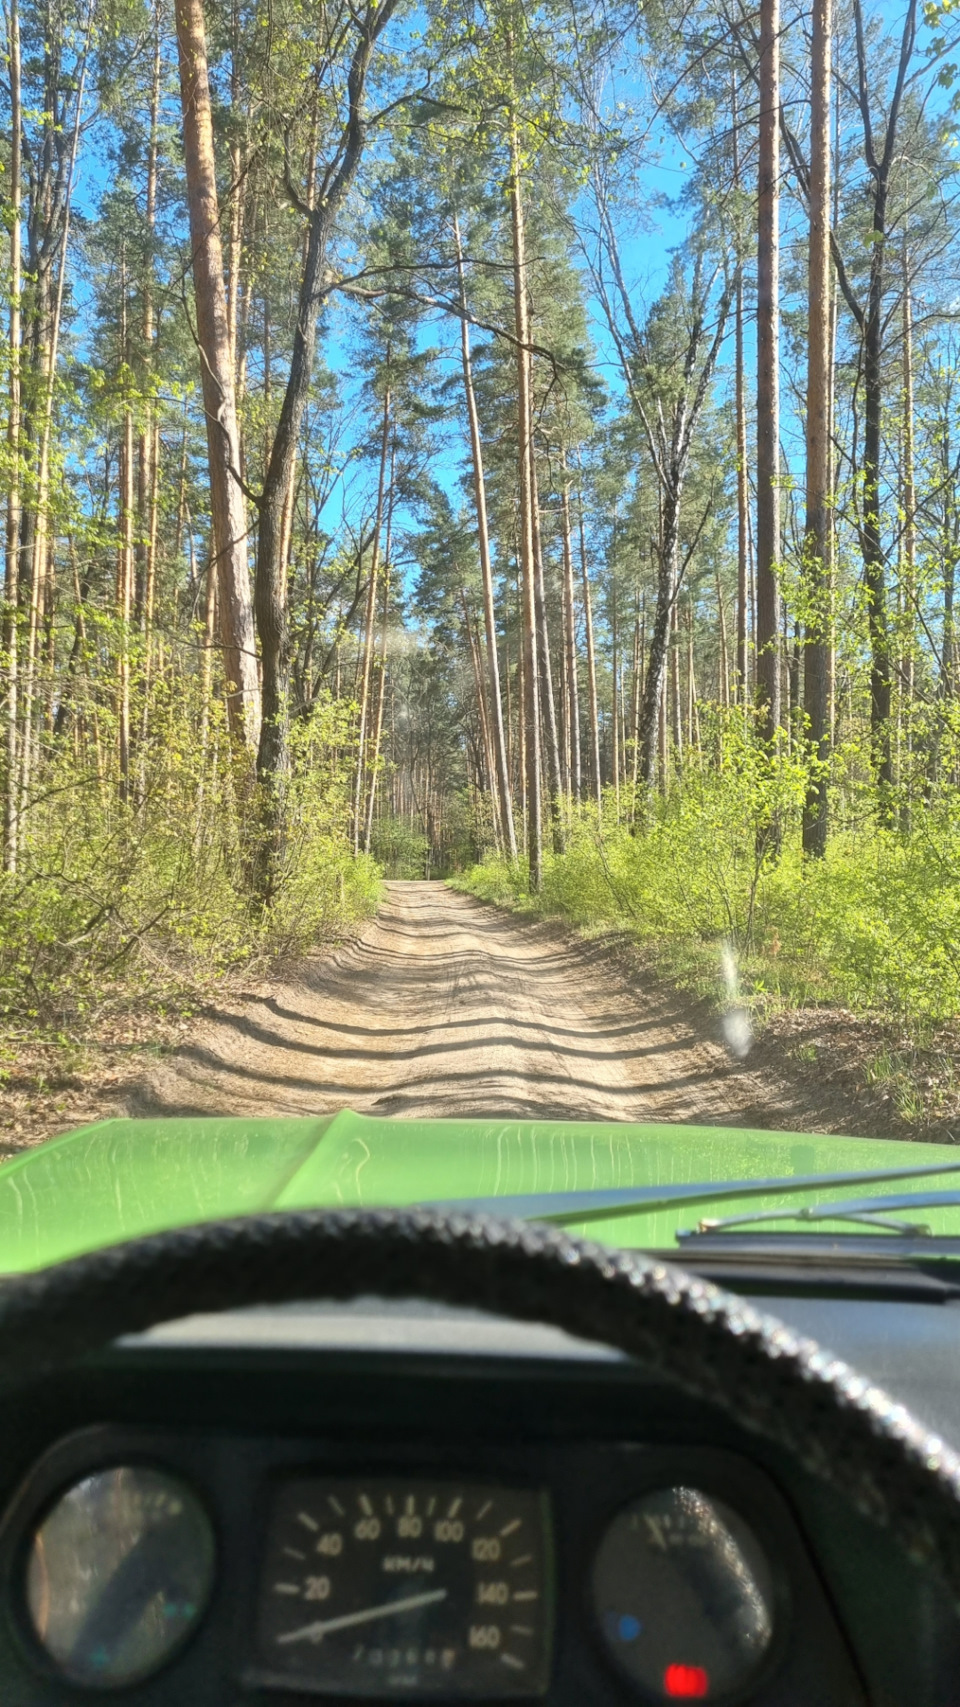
(716, 1347)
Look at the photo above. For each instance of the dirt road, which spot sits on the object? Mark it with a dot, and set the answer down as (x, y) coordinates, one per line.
(445, 1007)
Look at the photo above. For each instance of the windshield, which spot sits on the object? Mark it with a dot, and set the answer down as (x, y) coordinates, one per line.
(481, 510)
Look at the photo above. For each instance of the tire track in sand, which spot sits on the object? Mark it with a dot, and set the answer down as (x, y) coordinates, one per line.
(444, 1007)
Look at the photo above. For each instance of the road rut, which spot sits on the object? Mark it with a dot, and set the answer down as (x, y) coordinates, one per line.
(444, 1007)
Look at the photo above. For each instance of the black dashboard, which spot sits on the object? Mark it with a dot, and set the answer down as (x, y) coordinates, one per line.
(404, 1503)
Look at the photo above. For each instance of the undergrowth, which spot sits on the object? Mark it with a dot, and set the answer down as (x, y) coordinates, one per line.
(139, 898)
(713, 876)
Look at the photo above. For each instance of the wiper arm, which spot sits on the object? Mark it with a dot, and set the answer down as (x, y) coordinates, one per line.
(869, 1211)
(603, 1205)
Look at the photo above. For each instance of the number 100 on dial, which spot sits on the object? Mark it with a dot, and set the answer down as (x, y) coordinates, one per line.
(378, 1588)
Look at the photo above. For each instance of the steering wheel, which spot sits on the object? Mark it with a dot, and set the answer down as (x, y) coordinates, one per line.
(713, 1345)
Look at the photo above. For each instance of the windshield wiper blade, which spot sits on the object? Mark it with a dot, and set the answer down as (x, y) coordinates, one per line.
(868, 1211)
(605, 1204)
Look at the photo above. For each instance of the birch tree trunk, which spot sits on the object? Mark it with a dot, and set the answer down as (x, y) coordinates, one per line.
(227, 504)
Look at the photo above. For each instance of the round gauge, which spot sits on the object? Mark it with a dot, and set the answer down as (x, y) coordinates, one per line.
(118, 1574)
(684, 1596)
(383, 1588)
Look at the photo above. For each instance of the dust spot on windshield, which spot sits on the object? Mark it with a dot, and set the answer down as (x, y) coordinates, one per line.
(736, 1024)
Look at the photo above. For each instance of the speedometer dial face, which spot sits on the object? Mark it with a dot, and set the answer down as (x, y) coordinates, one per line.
(376, 1588)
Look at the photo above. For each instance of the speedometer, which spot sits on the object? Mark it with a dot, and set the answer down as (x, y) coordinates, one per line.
(379, 1587)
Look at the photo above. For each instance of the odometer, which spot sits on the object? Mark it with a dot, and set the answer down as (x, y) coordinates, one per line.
(380, 1587)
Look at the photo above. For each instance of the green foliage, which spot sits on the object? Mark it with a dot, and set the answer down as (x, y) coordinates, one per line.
(875, 925)
(399, 848)
(145, 901)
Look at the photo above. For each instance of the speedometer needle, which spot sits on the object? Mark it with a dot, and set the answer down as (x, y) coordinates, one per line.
(321, 1627)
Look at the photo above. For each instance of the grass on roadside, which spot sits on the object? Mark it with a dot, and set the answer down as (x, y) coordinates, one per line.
(715, 888)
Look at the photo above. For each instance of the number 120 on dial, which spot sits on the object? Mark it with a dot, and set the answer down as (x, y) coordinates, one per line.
(374, 1587)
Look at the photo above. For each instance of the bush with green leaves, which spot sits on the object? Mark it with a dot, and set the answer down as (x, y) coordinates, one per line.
(142, 894)
(714, 872)
(399, 848)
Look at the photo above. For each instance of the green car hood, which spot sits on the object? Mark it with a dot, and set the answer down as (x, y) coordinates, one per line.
(120, 1178)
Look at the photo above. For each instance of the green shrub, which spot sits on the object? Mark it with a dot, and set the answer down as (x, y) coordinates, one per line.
(716, 868)
(141, 899)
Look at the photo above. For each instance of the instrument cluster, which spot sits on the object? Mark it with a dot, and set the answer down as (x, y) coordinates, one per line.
(677, 1580)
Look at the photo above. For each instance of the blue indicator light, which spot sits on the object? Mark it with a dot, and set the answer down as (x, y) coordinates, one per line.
(628, 1627)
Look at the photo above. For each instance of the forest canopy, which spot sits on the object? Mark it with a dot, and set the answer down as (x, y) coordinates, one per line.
(460, 438)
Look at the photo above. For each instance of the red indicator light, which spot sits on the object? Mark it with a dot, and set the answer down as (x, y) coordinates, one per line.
(688, 1682)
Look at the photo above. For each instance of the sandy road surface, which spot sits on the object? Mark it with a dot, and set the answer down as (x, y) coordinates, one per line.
(445, 1007)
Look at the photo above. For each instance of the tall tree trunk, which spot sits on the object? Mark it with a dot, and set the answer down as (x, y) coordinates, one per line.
(528, 499)
(548, 704)
(153, 526)
(743, 509)
(147, 436)
(270, 591)
(669, 443)
(638, 701)
(871, 323)
(124, 601)
(570, 649)
(668, 566)
(663, 733)
(723, 685)
(227, 505)
(11, 629)
(237, 199)
(741, 686)
(909, 568)
(819, 450)
(693, 716)
(629, 738)
(615, 695)
(675, 690)
(37, 532)
(835, 448)
(593, 706)
(476, 661)
(206, 680)
(872, 540)
(502, 772)
(369, 626)
(949, 642)
(382, 666)
(768, 374)
(67, 707)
